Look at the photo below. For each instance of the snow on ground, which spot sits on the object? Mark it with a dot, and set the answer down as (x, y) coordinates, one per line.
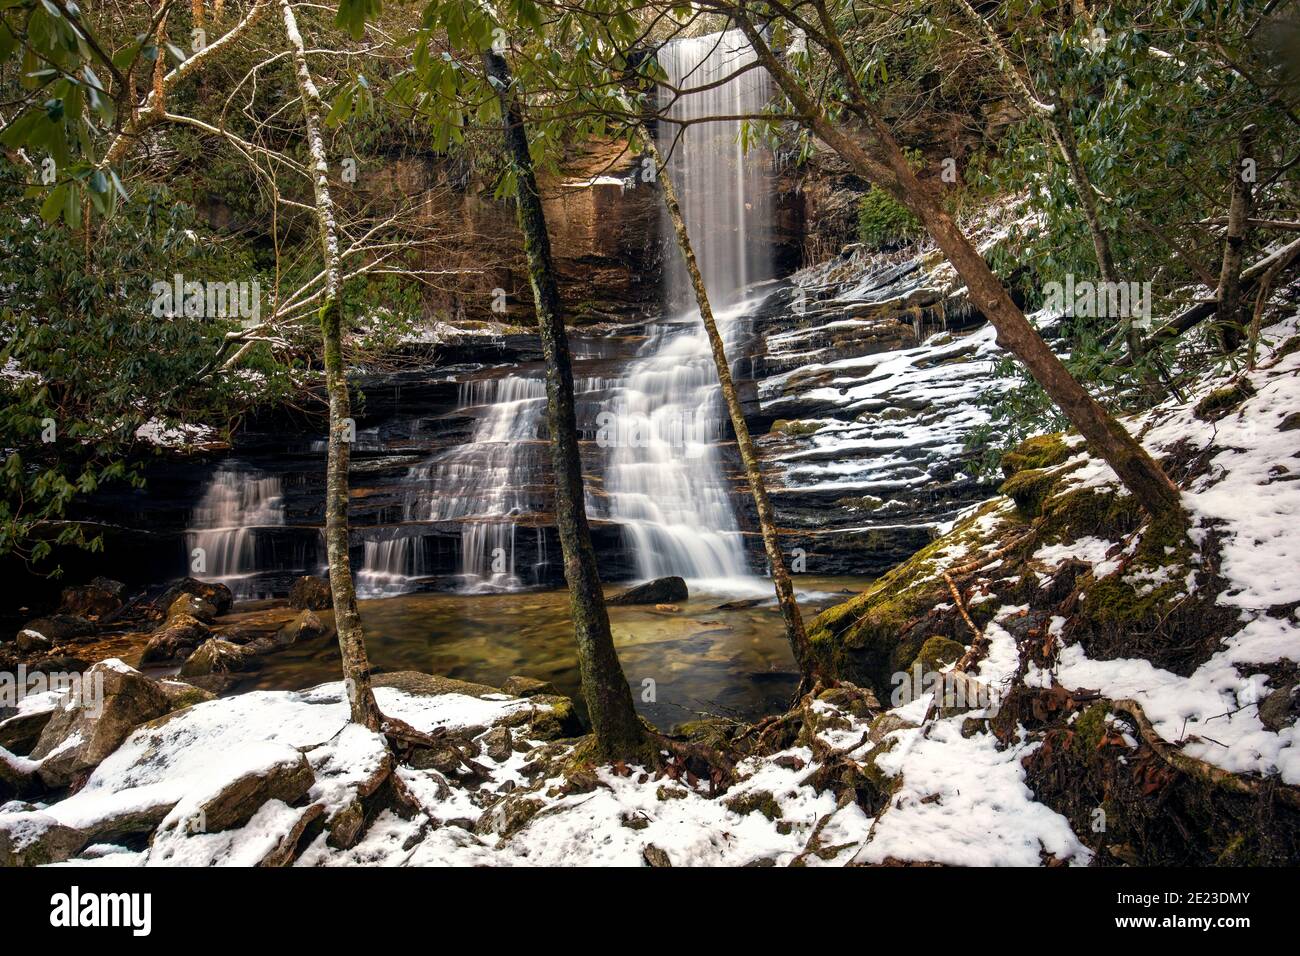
(1250, 496)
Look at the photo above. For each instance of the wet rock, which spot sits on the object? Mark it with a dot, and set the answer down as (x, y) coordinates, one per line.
(526, 687)
(305, 627)
(101, 597)
(32, 642)
(175, 640)
(191, 605)
(218, 595)
(498, 744)
(287, 780)
(215, 656)
(36, 839)
(659, 591)
(310, 594)
(113, 700)
(61, 628)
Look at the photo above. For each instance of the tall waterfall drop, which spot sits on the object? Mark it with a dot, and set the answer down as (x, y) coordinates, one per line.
(664, 478)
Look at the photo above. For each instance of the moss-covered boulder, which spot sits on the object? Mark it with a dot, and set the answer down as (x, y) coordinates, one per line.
(879, 632)
(1040, 451)
(937, 653)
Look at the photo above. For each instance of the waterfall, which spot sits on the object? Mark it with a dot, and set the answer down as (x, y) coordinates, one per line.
(664, 479)
(487, 486)
(237, 504)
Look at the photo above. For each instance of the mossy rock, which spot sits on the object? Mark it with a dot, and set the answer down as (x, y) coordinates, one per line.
(1098, 512)
(1223, 400)
(1041, 451)
(1089, 729)
(878, 633)
(794, 429)
(937, 653)
(1029, 489)
(757, 800)
(1145, 609)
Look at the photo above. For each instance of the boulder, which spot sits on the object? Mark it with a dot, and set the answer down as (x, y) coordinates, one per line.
(215, 656)
(95, 600)
(191, 605)
(498, 744)
(310, 594)
(431, 685)
(32, 642)
(304, 627)
(19, 734)
(181, 694)
(175, 640)
(113, 700)
(36, 839)
(218, 595)
(526, 687)
(659, 591)
(233, 805)
(62, 627)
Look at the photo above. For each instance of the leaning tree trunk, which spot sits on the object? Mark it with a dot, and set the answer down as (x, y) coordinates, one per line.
(1228, 317)
(1105, 436)
(617, 728)
(352, 644)
(794, 628)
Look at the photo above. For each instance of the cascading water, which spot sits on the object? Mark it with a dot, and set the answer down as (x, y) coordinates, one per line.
(224, 527)
(486, 485)
(664, 479)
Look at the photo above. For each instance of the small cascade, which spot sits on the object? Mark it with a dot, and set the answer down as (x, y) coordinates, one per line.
(487, 486)
(226, 527)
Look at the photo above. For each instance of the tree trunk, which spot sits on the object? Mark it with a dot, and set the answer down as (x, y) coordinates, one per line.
(356, 665)
(618, 730)
(1106, 437)
(794, 628)
(1228, 311)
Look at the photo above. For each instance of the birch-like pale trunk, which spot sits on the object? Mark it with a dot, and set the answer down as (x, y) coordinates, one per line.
(794, 628)
(617, 729)
(352, 645)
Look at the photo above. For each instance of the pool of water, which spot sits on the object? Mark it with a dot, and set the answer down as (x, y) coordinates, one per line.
(702, 660)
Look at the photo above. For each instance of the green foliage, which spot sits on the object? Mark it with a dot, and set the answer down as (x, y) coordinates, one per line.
(86, 362)
(884, 222)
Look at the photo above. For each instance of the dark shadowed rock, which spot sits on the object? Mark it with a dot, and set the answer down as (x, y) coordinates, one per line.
(218, 595)
(62, 627)
(79, 736)
(95, 600)
(659, 591)
(175, 640)
(19, 734)
(310, 594)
